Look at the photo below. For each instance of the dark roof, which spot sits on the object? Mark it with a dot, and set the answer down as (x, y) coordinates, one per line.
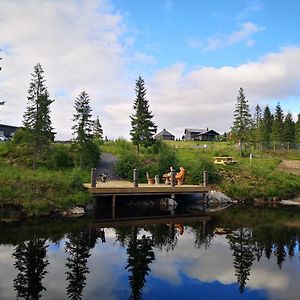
(164, 133)
(9, 126)
(194, 130)
(209, 132)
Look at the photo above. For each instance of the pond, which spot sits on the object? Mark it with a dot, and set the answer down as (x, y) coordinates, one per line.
(236, 253)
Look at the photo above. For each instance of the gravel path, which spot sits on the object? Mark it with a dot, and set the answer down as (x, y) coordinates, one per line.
(107, 166)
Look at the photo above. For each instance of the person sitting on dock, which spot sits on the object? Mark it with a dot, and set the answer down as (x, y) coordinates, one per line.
(180, 176)
(167, 176)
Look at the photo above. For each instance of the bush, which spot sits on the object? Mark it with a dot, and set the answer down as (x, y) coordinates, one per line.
(60, 157)
(75, 179)
(86, 156)
(195, 175)
(166, 158)
(126, 163)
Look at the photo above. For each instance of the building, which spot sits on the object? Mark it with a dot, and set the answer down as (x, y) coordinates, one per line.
(8, 131)
(200, 134)
(165, 135)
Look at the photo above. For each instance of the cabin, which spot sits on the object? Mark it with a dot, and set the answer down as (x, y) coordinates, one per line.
(8, 131)
(200, 134)
(165, 136)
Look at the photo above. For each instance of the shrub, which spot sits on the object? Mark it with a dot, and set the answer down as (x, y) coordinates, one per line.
(60, 157)
(195, 174)
(166, 158)
(126, 163)
(75, 179)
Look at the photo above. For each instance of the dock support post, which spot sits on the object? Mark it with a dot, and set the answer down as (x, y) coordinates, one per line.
(113, 206)
(173, 179)
(205, 178)
(93, 177)
(135, 177)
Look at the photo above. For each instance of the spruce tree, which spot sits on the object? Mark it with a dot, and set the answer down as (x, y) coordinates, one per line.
(289, 129)
(86, 152)
(257, 118)
(97, 132)
(143, 128)
(242, 123)
(37, 120)
(277, 127)
(265, 128)
(297, 130)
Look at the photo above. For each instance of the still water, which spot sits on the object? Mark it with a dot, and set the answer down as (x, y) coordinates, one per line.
(237, 253)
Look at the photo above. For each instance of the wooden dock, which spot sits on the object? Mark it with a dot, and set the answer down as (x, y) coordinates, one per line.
(123, 188)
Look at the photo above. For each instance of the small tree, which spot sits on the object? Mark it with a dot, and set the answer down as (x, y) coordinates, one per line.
(289, 129)
(242, 120)
(265, 127)
(257, 118)
(86, 152)
(278, 126)
(37, 116)
(143, 128)
(97, 132)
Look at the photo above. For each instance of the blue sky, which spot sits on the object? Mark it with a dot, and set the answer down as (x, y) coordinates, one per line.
(193, 55)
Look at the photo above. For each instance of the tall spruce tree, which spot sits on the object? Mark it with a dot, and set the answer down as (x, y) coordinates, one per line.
(87, 154)
(265, 127)
(289, 129)
(278, 126)
(37, 120)
(297, 130)
(242, 123)
(143, 128)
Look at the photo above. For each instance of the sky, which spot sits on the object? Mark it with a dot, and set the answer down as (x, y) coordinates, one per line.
(193, 55)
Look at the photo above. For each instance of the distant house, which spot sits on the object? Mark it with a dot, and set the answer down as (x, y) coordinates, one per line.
(8, 131)
(200, 134)
(164, 135)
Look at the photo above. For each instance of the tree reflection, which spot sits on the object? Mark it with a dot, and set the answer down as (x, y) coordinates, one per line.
(140, 255)
(241, 243)
(78, 248)
(31, 264)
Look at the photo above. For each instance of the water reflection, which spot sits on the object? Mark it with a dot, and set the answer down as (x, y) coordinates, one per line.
(31, 262)
(140, 258)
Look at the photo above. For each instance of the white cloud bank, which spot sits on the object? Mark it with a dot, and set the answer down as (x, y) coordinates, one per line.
(83, 45)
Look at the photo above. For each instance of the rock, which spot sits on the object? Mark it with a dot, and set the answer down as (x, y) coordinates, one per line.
(75, 211)
(218, 196)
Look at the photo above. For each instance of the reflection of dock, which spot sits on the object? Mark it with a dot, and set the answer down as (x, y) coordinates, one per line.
(140, 221)
(120, 187)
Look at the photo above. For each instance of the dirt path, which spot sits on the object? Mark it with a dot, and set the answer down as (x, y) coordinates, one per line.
(290, 166)
(107, 166)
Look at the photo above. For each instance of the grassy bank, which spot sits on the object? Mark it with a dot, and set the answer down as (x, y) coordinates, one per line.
(43, 190)
(244, 180)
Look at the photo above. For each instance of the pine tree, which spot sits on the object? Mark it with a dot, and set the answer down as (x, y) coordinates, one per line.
(289, 129)
(297, 130)
(37, 120)
(97, 132)
(242, 123)
(143, 128)
(265, 128)
(87, 152)
(277, 127)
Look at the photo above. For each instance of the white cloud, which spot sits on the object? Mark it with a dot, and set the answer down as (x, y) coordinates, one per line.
(244, 34)
(205, 97)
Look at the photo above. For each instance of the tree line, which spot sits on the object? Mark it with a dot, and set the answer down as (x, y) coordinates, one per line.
(264, 129)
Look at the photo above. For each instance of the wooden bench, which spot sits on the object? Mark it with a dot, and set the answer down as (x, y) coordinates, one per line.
(224, 160)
